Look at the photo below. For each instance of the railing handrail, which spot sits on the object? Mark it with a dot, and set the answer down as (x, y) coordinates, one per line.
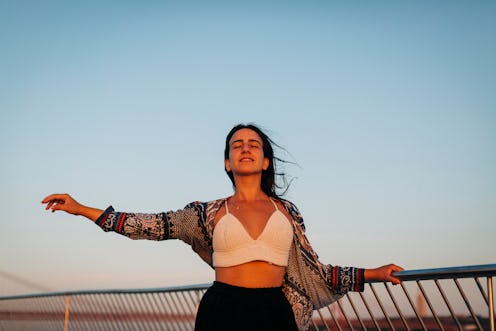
(483, 270)
(182, 288)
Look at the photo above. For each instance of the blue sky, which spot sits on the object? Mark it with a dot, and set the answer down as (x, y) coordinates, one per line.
(387, 107)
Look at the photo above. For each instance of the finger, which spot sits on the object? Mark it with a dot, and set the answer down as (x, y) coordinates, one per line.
(56, 196)
(56, 206)
(396, 268)
(393, 279)
(49, 205)
(392, 268)
(48, 198)
(52, 202)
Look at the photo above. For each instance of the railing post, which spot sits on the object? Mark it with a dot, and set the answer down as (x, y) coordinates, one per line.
(66, 317)
(491, 301)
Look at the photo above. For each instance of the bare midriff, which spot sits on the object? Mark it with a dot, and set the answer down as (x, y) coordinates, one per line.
(253, 274)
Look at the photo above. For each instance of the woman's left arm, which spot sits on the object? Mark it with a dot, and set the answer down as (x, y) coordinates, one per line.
(340, 279)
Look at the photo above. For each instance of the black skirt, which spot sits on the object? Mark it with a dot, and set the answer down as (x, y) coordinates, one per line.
(226, 307)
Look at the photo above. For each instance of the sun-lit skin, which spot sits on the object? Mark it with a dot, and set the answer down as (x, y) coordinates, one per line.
(252, 207)
(246, 160)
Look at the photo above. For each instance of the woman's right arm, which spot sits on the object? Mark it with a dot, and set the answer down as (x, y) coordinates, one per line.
(132, 225)
(183, 224)
(66, 203)
(187, 224)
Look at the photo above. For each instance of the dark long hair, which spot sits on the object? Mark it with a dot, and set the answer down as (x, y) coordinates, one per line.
(268, 183)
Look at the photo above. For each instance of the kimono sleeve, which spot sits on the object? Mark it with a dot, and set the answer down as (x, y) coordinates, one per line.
(344, 279)
(151, 226)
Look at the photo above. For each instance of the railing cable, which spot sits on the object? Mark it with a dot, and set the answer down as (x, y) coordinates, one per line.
(446, 301)
(467, 303)
(386, 315)
(397, 307)
(491, 301)
(434, 314)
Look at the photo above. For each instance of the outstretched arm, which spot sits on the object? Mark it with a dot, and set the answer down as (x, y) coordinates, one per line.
(66, 203)
(383, 274)
(180, 224)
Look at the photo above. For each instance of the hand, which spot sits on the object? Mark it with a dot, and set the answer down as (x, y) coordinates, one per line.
(383, 274)
(62, 202)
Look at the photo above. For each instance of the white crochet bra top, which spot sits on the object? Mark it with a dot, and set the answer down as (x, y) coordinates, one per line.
(233, 245)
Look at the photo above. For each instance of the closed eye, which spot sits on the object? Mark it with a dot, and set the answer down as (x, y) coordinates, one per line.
(252, 143)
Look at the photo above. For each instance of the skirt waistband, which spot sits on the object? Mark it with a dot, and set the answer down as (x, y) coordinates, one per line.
(240, 289)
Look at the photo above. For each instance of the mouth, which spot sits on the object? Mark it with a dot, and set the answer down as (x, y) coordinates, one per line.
(246, 159)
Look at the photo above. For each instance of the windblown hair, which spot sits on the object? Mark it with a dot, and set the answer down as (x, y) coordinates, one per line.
(269, 184)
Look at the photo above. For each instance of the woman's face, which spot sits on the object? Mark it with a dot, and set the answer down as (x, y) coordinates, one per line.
(246, 156)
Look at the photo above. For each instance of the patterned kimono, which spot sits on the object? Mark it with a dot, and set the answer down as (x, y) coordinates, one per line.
(308, 284)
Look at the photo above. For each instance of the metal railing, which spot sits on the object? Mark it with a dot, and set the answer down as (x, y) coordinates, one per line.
(459, 298)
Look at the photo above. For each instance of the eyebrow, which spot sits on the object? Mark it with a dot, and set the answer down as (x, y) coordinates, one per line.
(249, 140)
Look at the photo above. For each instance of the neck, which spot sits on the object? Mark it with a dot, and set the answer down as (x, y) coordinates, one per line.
(248, 189)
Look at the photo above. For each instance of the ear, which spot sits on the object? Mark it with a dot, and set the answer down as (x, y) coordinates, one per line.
(265, 164)
(227, 165)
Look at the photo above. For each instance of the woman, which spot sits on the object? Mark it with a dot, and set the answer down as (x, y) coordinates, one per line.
(267, 276)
